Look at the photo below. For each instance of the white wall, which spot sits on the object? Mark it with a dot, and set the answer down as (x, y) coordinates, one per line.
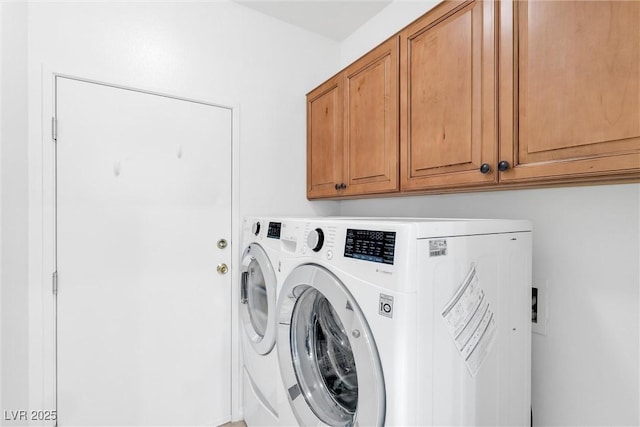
(13, 207)
(215, 51)
(2, 61)
(392, 18)
(586, 245)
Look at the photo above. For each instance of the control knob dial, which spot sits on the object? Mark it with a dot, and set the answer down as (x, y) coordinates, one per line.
(315, 239)
(255, 228)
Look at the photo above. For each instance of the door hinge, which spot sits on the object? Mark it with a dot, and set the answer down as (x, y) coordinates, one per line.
(54, 129)
(54, 277)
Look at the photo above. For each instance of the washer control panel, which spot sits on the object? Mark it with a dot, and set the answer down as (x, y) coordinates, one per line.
(370, 245)
(275, 228)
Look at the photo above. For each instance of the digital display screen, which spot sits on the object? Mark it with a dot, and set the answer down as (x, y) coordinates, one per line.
(370, 245)
(274, 230)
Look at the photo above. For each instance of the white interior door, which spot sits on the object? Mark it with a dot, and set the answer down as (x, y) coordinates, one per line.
(143, 317)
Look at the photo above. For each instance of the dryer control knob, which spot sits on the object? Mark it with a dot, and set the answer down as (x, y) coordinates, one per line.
(315, 239)
(255, 228)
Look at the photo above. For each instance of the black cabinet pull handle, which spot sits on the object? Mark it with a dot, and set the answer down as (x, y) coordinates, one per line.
(503, 166)
(337, 187)
(343, 186)
(485, 168)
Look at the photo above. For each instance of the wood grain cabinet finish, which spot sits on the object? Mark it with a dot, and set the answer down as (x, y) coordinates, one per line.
(371, 122)
(324, 138)
(352, 128)
(570, 90)
(448, 103)
(483, 94)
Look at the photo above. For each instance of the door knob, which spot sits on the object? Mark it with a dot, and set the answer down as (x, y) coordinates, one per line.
(222, 268)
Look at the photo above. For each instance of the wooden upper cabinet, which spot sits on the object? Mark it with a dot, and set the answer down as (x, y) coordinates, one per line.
(448, 102)
(371, 122)
(570, 90)
(352, 128)
(478, 94)
(324, 138)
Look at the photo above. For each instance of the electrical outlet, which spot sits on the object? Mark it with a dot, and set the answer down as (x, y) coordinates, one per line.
(539, 303)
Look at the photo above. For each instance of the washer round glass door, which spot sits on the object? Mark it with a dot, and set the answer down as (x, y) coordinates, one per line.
(328, 358)
(258, 298)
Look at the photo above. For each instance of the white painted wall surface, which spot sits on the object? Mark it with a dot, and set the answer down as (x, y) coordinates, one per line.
(586, 244)
(387, 22)
(214, 51)
(2, 60)
(13, 207)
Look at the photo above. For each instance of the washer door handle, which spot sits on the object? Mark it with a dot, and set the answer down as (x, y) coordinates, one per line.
(243, 287)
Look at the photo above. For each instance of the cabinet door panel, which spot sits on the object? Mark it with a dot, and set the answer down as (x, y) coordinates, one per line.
(324, 139)
(447, 97)
(576, 109)
(371, 121)
(443, 87)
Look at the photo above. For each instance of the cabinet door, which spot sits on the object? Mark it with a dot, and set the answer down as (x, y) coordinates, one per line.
(324, 139)
(570, 90)
(371, 122)
(448, 102)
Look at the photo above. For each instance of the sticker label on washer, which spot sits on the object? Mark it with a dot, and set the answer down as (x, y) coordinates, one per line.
(437, 247)
(385, 307)
(471, 322)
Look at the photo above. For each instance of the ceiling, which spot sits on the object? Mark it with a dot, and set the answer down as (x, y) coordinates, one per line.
(333, 19)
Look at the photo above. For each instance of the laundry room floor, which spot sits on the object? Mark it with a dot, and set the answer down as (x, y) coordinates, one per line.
(234, 424)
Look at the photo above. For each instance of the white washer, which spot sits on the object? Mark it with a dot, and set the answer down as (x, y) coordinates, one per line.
(407, 322)
(265, 242)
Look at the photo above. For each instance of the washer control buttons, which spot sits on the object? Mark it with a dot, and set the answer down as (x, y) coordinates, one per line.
(329, 255)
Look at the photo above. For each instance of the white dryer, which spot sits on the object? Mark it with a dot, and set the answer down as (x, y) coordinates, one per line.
(407, 322)
(265, 242)
(258, 288)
